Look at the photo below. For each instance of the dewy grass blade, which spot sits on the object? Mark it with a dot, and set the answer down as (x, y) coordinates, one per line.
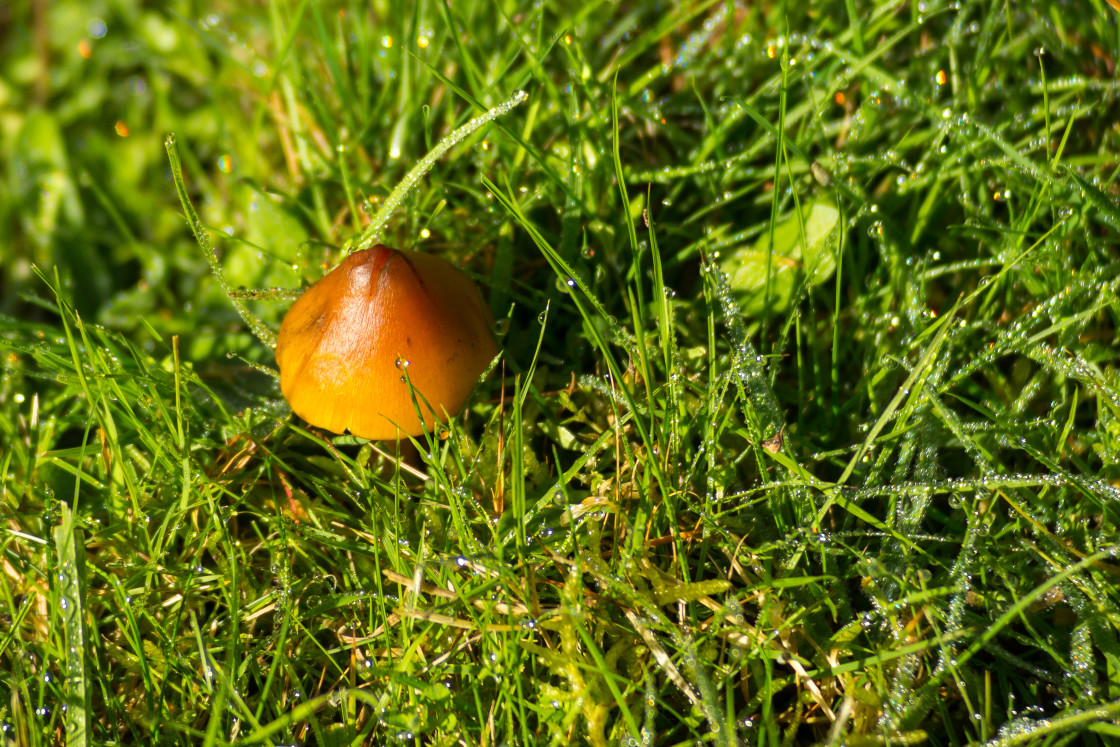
(69, 541)
(904, 391)
(202, 236)
(1013, 612)
(376, 228)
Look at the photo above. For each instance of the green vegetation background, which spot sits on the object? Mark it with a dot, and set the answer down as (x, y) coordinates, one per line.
(867, 498)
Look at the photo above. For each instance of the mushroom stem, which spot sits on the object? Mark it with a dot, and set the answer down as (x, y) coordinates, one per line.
(372, 234)
(202, 236)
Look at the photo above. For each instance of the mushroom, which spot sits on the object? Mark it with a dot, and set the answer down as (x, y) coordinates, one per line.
(351, 345)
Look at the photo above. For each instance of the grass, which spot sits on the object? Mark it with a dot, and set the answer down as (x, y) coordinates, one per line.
(806, 427)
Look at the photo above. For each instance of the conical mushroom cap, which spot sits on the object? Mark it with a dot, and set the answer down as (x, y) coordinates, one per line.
(346, 344)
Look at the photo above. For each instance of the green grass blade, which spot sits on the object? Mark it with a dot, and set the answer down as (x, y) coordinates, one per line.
(69, 541)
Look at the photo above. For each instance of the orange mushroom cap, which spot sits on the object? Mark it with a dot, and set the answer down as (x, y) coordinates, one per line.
(346, 344)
